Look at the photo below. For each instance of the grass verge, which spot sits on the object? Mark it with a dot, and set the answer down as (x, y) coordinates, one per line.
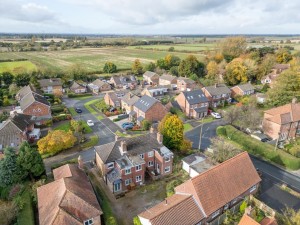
(64, 126)
(100, 117)
(187, 127)
(93, 140)
(26, 215)
(259, 148)
(89, 107)
(72, 111)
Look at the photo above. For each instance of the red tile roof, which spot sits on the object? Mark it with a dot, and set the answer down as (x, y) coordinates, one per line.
(221, 184)
(285, 114)
(247, 220)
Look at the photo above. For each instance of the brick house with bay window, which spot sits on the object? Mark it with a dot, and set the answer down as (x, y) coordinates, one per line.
(52, 86)
(125, 162)
(217, 94)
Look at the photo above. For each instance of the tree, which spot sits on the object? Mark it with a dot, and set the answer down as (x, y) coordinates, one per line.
(7, 78)
(266, 65)
(76, 72)
(109, 67)
(289, 217)
(150, 67)
(174, 70)
(283, 55)
(212, 71)
(189, 66)
(218, 57)
(146, 124)
(22, 80)
(56, 141)
(5, 101)
(235, 72)
(171, 60)
(285, 88)
(9, 168)
(222, 150)
(137, 67)
(232, 115)
(251, 69)
(171, 49)
(30, 161)
(233, 47)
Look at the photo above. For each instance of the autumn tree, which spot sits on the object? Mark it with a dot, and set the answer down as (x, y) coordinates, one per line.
(236, 72)
(189, 66)
(109, 67)
(285, 88)
(265, 66)
(30, 161)
(22, 80)
(289, 217)
(9, 168)
(171, 60)
(137, 67)
(283, 55)
(233, 47)
(212, 71)
(218, 57)
(56, 141)
(222, 150)
(150, 67)
(251, 69)
(75, 72)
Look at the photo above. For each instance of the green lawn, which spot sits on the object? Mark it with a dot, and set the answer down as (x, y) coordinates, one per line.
(26, 215)
(89, 108)
(207, 119)
(64, 126)
(99, 117)
(93, 140)
(17, 67)
(72, 111)
(187, 127)
(178, 47)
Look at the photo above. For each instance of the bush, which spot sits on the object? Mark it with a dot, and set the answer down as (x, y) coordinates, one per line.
(171, 185)
(57, 109)
(73, 95)
(146, 124)
(258, 148)
(136, 221)
(62, 117)
(116, 119)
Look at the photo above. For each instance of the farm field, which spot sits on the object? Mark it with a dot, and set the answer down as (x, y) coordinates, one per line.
(17, 67)
(179, 47)
(92, 59)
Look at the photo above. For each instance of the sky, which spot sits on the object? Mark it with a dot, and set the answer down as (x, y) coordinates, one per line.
(150, 16)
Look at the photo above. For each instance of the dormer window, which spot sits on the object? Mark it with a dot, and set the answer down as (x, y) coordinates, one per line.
(88, 222)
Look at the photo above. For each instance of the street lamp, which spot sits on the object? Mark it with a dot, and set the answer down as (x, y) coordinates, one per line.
(277, 142)
(200, 137)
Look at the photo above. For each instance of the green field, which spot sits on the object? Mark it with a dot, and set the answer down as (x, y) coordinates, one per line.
(17, 67)
(92, 59)
(192, 48)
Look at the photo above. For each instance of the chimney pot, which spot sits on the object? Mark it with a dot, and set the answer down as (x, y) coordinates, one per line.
(159, 138)
(123, 147)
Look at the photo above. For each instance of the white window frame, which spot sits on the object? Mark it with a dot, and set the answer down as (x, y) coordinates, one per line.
(226, 206)
(150, 154)
(126, 171)
(138, 167)
(88, 222)
(167, 159)
(167, 169)
(215, 214)
(119, 185)
(110, 165)
(142, 156)
(150, 163)
(253, 188)
(128, 182)
(138, 178)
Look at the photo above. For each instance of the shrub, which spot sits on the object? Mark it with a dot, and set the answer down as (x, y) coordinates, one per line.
(146, 124)
(136, 221)
(171, 185)
(73, 95)
(57, 109)
(116, 119)
(62, 117)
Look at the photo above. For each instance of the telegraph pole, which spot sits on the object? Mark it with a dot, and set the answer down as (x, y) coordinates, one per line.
(200, 137)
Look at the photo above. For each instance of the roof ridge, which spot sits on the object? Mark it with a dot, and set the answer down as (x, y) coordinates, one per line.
(221, 164)
(58, 205)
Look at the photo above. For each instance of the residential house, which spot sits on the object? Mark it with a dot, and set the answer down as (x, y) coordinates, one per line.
(27, 90)
(151, 78)
(147, 108)
(124, 81)
(125, 162)
(167, 79)
(247, 220)
(195, 164)
(217, 94)
(185, 84)
(98, 86)
(69, 199)
(242, 90)
(275, 71)
(128, 100)
(157, 92)
(113, 98)
(16, 129)
(52, 86)
(282, 122)
(208, 195)
(78, 88)
(193, 103)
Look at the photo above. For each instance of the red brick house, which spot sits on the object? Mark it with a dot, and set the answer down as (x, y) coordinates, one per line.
(69, 199)
(78, 88)
(193, 103)
(208, 195)
(52, 86)
(282, 122)
(151, 78)
(16, 129)
(113, 98)
(147, 108)
(217, 94)
(242, 90)
(167, 79)
(185, 84)
(125, 162)
(27, 90)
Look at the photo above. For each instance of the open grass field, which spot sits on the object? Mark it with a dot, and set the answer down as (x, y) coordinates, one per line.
(17, 67)
(200, 47)
(92, 59)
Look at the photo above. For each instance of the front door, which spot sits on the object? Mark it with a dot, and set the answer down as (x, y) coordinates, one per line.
(117, 187)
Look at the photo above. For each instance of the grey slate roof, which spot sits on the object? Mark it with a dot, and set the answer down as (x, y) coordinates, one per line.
(113, 96)
(135, 146)
(218, 89)
(124, 162)
(186, 80)
(98, 82)
(31, 98)
(195, 97)
(124, 79)
(113, 175)
(145, 103)
(50, 82)
(27, 90)
(168, 77)
(140, 118)
(130, 99)
(149, 74)
(246, 87)
(76, 85)
(201, 109)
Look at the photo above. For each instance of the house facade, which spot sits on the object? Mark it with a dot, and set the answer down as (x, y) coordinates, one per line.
(193, 103)
(151, 78)
(147, 108)
(112, 99)
(157, 92)
(69, 199)
(99, 86)
(125, 162)
(78, 88)
(282, 122)
(27, 90)
(185, 84)
(236, 177)
(35, 105)
(52, 86)
(124, 81)
(128, 100)
(242, 90)
(167, 79)
(217, 94)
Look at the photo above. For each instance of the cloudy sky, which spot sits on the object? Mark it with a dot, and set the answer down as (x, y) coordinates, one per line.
(151, 16)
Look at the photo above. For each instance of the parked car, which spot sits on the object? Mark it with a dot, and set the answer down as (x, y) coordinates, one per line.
(78, 110)
(90, 123)
(128, 127)
(112, 109)
(216, 115)
(127, 124)
(261, 137)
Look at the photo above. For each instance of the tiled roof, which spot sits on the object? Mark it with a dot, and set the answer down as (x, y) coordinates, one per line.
(195, 97)
(124, 79)
(285, 114)
(247, 220)
(218, 89)
(145, 103)
(221, 184)
(175, 210)
(167, 77)
(98, 82)
(186, 80)
(113, 96)
(281, 66)
(246, 87)
(149, 74)
(130, 98)
(31, 98)
(76, 85)
(268, 221)
(27, 90)
(68, 200)
(50, 82)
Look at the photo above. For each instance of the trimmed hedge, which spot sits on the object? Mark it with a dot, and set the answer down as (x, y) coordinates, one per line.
(259, 148)
(62, 117)
(73, 95)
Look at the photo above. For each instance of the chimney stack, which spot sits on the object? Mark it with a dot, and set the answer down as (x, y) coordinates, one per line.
(159, 138)
(294, 101)
(80, 162)
(166, 201)
(123, 147)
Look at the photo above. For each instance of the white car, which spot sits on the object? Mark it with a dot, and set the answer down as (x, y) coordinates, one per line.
(90, 123)
(216, 115)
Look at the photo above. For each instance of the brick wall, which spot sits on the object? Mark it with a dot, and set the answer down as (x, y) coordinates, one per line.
(38, 109)
(156, 112)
